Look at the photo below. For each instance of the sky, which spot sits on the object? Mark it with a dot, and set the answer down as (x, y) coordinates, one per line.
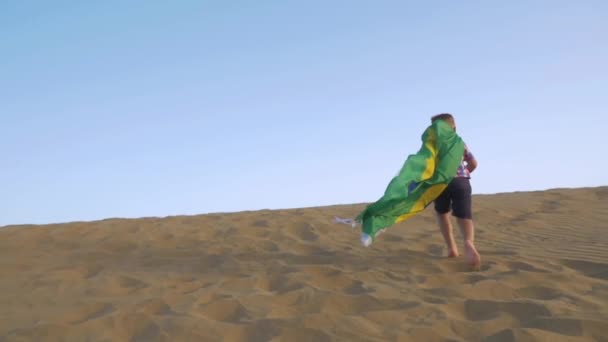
(156, 108)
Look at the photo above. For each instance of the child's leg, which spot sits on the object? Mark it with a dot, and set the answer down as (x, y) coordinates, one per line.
(448, 235)
(467, 228)
(468, 233)
(442, 209)
(462, 210)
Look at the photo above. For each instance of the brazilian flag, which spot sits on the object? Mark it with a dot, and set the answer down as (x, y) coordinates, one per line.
(420, 181)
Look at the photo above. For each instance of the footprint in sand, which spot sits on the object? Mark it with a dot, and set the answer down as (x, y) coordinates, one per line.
(569, 327)
(224, 310)
(259, 330)
(590, 269)
(304, 232)
(539, 293)
(87, 313)
(522, 266)
(434, 300)
(435, 250)
(260, 223)
(155, 307)
(357, 288)
(484, 310)
(137, 327)
(392, 238)
(277, 282)
(506, 335)
(122, 285)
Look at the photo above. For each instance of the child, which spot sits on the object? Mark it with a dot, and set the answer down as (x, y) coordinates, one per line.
(457, 199)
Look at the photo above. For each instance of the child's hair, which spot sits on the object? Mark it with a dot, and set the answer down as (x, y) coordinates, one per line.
(445, 117)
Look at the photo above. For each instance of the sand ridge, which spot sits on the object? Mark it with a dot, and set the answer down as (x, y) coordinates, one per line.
(293, 275)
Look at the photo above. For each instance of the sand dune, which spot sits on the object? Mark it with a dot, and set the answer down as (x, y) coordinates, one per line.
(293, 275)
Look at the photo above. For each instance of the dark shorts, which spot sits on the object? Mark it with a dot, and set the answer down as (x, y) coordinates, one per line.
(456, 197)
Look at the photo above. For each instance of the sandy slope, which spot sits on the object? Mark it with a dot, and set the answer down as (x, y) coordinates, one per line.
(293, 275)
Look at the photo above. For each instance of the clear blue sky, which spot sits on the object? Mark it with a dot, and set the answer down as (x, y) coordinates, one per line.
(155, 108)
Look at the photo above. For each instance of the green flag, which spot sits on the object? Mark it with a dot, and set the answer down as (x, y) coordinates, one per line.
(422, 179)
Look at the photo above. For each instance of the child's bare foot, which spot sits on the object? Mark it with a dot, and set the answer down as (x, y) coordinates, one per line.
(471, 255)
(453, 254)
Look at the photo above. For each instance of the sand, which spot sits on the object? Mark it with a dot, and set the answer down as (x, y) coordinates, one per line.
(293, 275)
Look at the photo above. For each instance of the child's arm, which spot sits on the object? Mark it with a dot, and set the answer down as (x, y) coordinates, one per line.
(471, 161)
(472, 165)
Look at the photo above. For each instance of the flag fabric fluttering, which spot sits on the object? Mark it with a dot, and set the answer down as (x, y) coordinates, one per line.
(422, 178)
